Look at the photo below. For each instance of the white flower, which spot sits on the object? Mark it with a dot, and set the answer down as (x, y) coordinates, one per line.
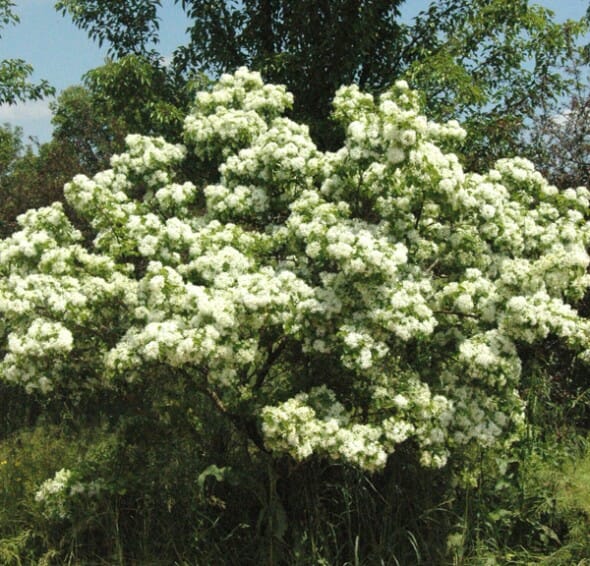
(382, 268)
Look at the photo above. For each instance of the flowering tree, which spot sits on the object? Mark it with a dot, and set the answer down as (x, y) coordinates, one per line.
(331, 304)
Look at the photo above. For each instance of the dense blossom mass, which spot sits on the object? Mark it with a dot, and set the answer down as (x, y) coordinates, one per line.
(348, 301)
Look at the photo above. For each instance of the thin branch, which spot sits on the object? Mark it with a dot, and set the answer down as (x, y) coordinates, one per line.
(270, 360)
(244, 425)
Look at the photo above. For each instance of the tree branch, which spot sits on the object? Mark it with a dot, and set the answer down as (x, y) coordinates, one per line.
(270, 360)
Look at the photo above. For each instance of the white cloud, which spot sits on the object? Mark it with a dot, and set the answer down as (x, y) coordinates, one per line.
(34, 117)
(25, 111)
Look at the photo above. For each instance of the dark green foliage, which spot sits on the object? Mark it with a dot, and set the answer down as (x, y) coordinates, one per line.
(26, 460)
(11, 147)
(312, 47)
(17, 175)
(128, 27)
(158, 503)
(31, 179)
(490, 63)
(137, 95)
(85, 129)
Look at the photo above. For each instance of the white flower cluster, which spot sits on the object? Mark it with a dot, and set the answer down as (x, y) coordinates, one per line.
(55, 493)
(283, 157)
(27, 355)
(316, 422)
(238, 109)
(41, 229)
(48, 292)
(148, 160)
(386, 131)
(175, 200)
(350, 300)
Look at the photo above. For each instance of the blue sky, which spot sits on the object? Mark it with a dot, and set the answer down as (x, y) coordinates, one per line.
(61, 53)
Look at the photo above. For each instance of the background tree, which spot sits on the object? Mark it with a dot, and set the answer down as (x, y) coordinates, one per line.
(559, 139)
(90, 122)
(131, 94)
(82, 127)
(18, 173)
(129, 27)
(142, 95)
(488, 62)
(492, 64)
(294, 45)
(17, 161)
(34, 176)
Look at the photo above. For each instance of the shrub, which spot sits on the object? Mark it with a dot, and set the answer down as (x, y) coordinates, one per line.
(354, 307)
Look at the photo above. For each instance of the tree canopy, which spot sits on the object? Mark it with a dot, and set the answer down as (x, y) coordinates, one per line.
(489, 63)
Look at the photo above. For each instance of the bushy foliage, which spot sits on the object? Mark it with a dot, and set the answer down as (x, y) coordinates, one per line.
(492, 63)
(357, 306)
(348, 300)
